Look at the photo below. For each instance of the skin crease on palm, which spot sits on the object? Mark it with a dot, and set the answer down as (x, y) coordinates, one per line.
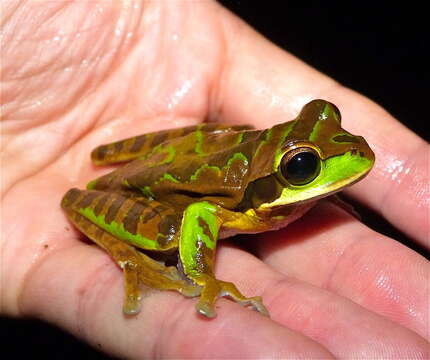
(79, 74)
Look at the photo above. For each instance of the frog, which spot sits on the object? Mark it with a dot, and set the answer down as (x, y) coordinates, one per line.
(175, 193)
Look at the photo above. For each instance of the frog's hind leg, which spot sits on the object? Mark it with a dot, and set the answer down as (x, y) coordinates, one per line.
(140, 146)
(139, 269)
(199, 233)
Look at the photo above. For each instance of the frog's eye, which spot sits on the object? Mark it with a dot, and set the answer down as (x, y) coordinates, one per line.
(300, 166)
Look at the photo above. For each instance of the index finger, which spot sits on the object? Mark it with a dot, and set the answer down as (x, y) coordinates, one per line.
(263, 85)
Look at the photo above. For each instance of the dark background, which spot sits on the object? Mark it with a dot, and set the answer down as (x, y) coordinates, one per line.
(378, 48)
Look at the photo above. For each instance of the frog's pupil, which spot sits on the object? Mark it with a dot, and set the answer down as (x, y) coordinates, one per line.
(301, 168)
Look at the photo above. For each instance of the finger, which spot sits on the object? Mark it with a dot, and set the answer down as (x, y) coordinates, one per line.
(346, 329)
(331, 250)
(262, 84)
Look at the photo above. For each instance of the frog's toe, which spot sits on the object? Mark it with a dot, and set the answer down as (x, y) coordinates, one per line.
(213, 288)
(205, 309)
(256, 303)
(132, 305)
(230, 290)
(132, 287)
(191, 290)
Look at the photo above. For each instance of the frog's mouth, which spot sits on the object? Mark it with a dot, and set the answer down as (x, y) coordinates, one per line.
(336, 173)
(282, 211)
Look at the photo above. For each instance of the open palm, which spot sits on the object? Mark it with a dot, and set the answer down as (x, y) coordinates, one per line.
(334, 287)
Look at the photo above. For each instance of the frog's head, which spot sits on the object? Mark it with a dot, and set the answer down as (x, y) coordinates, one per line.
(313, 157)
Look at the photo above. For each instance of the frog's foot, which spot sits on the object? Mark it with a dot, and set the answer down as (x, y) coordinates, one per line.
(144, 271)
(213, 288)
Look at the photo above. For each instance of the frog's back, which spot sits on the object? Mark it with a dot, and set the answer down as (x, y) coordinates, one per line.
(214, 166)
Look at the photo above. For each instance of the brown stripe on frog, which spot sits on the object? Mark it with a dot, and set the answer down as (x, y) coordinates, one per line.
(71, 197)
(123, 210)
(100, 152)
(159, 138)
(117, 146)
(101, 203)
(132, 217)
(139, 142)
(88, 199)
(113, 209)
(127, 144)
(163, 135)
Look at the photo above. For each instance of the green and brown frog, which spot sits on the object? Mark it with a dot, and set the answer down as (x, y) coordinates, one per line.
(183, 189)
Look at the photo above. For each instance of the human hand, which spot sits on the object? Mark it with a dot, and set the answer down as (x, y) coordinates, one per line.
(125, 71)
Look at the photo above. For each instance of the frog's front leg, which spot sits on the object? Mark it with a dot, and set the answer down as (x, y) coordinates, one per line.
(199, 233)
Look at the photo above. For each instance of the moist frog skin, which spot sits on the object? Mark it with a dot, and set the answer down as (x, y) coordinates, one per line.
(179, 191)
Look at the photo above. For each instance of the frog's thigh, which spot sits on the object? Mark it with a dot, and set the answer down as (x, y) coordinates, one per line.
(139, 269)
(138, 146)
(197, 245)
